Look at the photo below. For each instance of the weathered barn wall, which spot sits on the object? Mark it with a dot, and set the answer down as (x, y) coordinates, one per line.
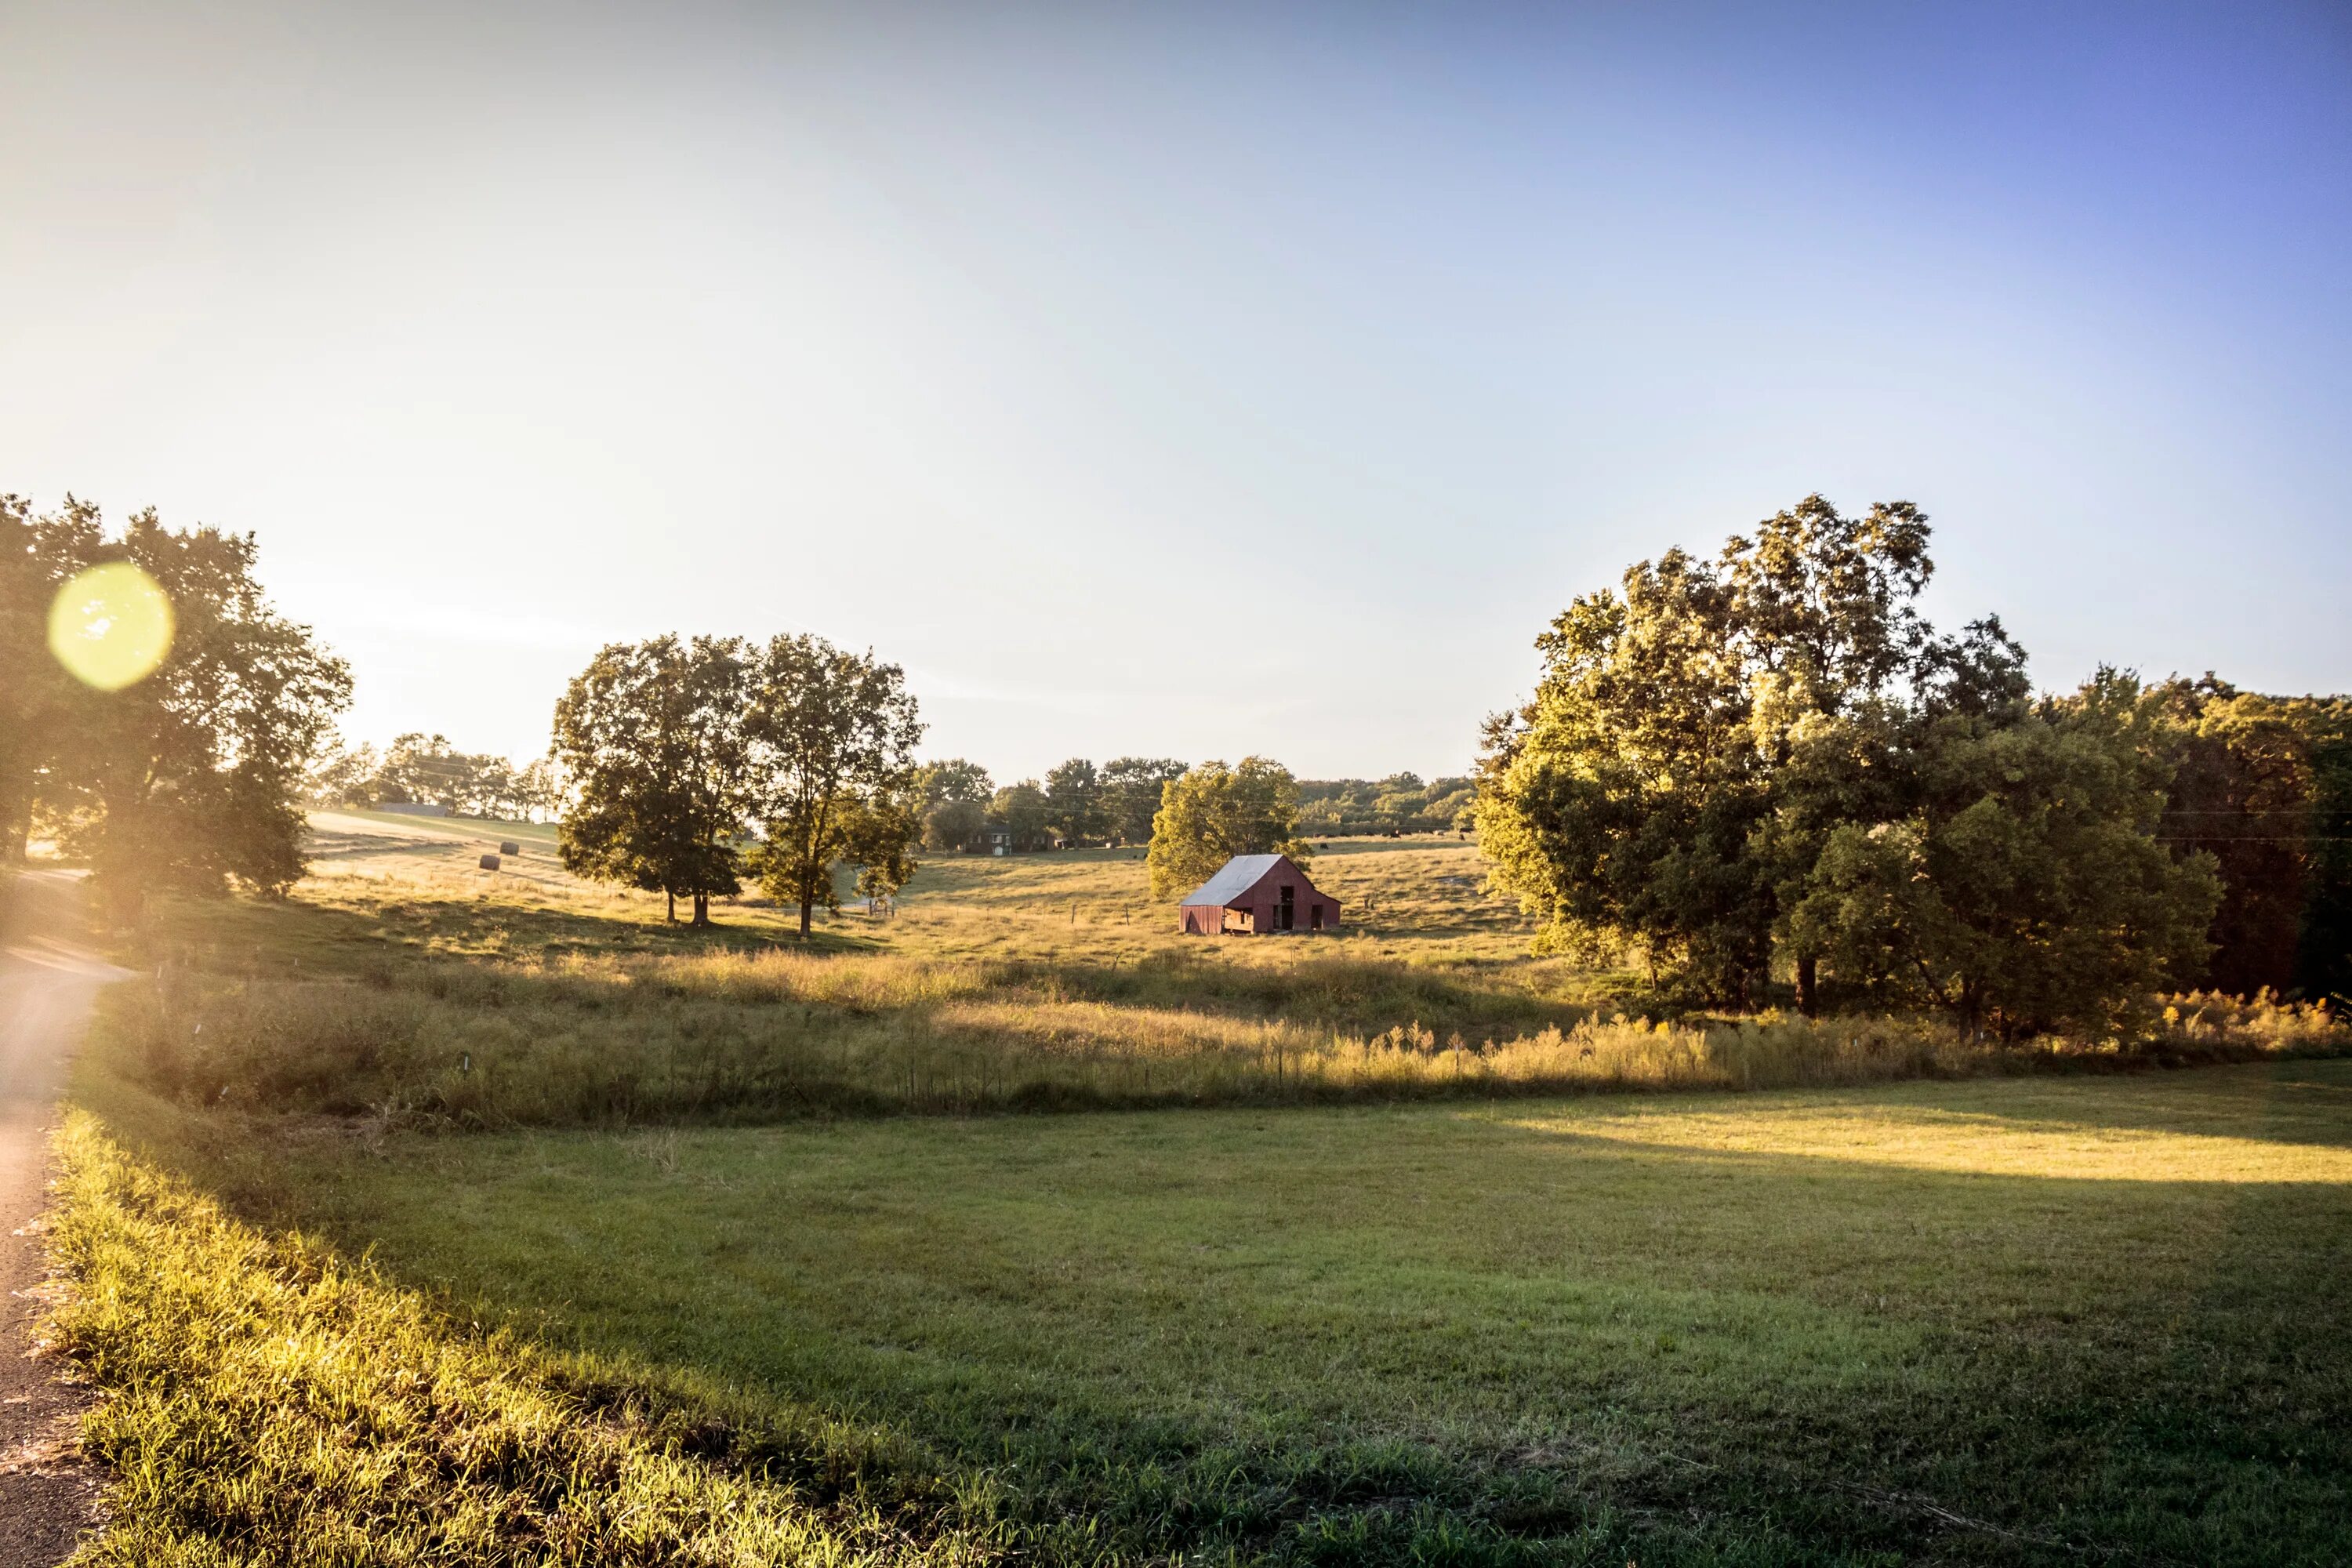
(1257, 909)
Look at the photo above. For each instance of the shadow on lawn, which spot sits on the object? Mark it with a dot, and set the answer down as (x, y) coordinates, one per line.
(305, 936)
(1507, 1338)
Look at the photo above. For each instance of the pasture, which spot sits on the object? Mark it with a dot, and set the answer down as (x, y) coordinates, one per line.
(1417, 897)
(1911, 1305)
(406, 984)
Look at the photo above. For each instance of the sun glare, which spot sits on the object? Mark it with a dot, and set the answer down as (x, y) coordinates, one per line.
(110, 625)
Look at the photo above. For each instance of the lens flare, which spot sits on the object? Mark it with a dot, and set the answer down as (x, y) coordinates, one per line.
(110, 625)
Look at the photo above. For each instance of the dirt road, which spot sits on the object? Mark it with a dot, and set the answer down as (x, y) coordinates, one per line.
(48, 981)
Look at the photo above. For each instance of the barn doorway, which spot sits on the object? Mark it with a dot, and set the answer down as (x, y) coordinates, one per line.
(1286, 914)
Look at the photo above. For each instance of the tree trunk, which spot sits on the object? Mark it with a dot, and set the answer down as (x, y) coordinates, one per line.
(17, 825)
(1808, 985)
(702, 911)
(672, 916)
(808, 903)
(1972, 1013)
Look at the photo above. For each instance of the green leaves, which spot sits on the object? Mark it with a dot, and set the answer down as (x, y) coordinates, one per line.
(2260, 784)
(651, 734)
(832, 737)
(1131, 793)
(1774, 757)
(1075, 803)
(2025, 891)
(675, 749)
(1213, 813)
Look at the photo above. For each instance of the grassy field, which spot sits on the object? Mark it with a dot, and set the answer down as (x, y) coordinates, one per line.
(406, 984)
(2010, 1321)
(344, 1312)
(1420, 897)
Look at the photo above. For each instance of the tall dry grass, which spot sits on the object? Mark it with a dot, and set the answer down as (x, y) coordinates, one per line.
(753, 1036)
(2208, 1018)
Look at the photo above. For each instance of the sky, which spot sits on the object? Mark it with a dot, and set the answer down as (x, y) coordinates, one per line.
(1188, 380)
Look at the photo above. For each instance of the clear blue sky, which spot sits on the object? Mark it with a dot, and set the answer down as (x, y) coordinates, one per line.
(1185, 380)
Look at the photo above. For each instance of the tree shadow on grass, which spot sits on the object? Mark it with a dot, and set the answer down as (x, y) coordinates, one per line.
(306, 935)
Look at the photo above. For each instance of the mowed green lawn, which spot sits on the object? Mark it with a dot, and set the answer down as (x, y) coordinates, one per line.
(2017, 1319)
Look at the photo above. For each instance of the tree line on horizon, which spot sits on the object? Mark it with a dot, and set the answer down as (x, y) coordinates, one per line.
(1193, 817)
(1768, 768)
(1078, 804)
(957, 806)
(418, 769)
(692, 764)
(1400, 803)
(1075, 804)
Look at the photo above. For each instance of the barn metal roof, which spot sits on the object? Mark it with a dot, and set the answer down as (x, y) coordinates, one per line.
(1238, 877)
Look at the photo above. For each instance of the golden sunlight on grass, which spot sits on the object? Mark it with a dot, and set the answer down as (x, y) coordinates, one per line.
(2098, 1131)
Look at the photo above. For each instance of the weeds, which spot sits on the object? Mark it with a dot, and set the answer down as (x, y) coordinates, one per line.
(743, 1037)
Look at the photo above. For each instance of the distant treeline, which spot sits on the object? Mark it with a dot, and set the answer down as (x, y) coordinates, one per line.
(1400, 803)
(1075, 803)
(2264, 785)
(1080, 803)
(418, 769)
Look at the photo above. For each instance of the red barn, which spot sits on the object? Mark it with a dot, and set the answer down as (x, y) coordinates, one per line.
(1255, 894)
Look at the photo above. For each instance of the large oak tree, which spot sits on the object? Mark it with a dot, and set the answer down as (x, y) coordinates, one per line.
(1703, 740)
(2022, 886)
(1131, 789)
(1075, 801)
(832, 735)
(2265, 786)
(652, 737)
(37, 555)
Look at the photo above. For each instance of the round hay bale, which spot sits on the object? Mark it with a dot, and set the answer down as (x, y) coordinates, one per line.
(489, 862)
(510, 847)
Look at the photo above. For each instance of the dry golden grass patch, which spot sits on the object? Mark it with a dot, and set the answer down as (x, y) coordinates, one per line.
(400, 987)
